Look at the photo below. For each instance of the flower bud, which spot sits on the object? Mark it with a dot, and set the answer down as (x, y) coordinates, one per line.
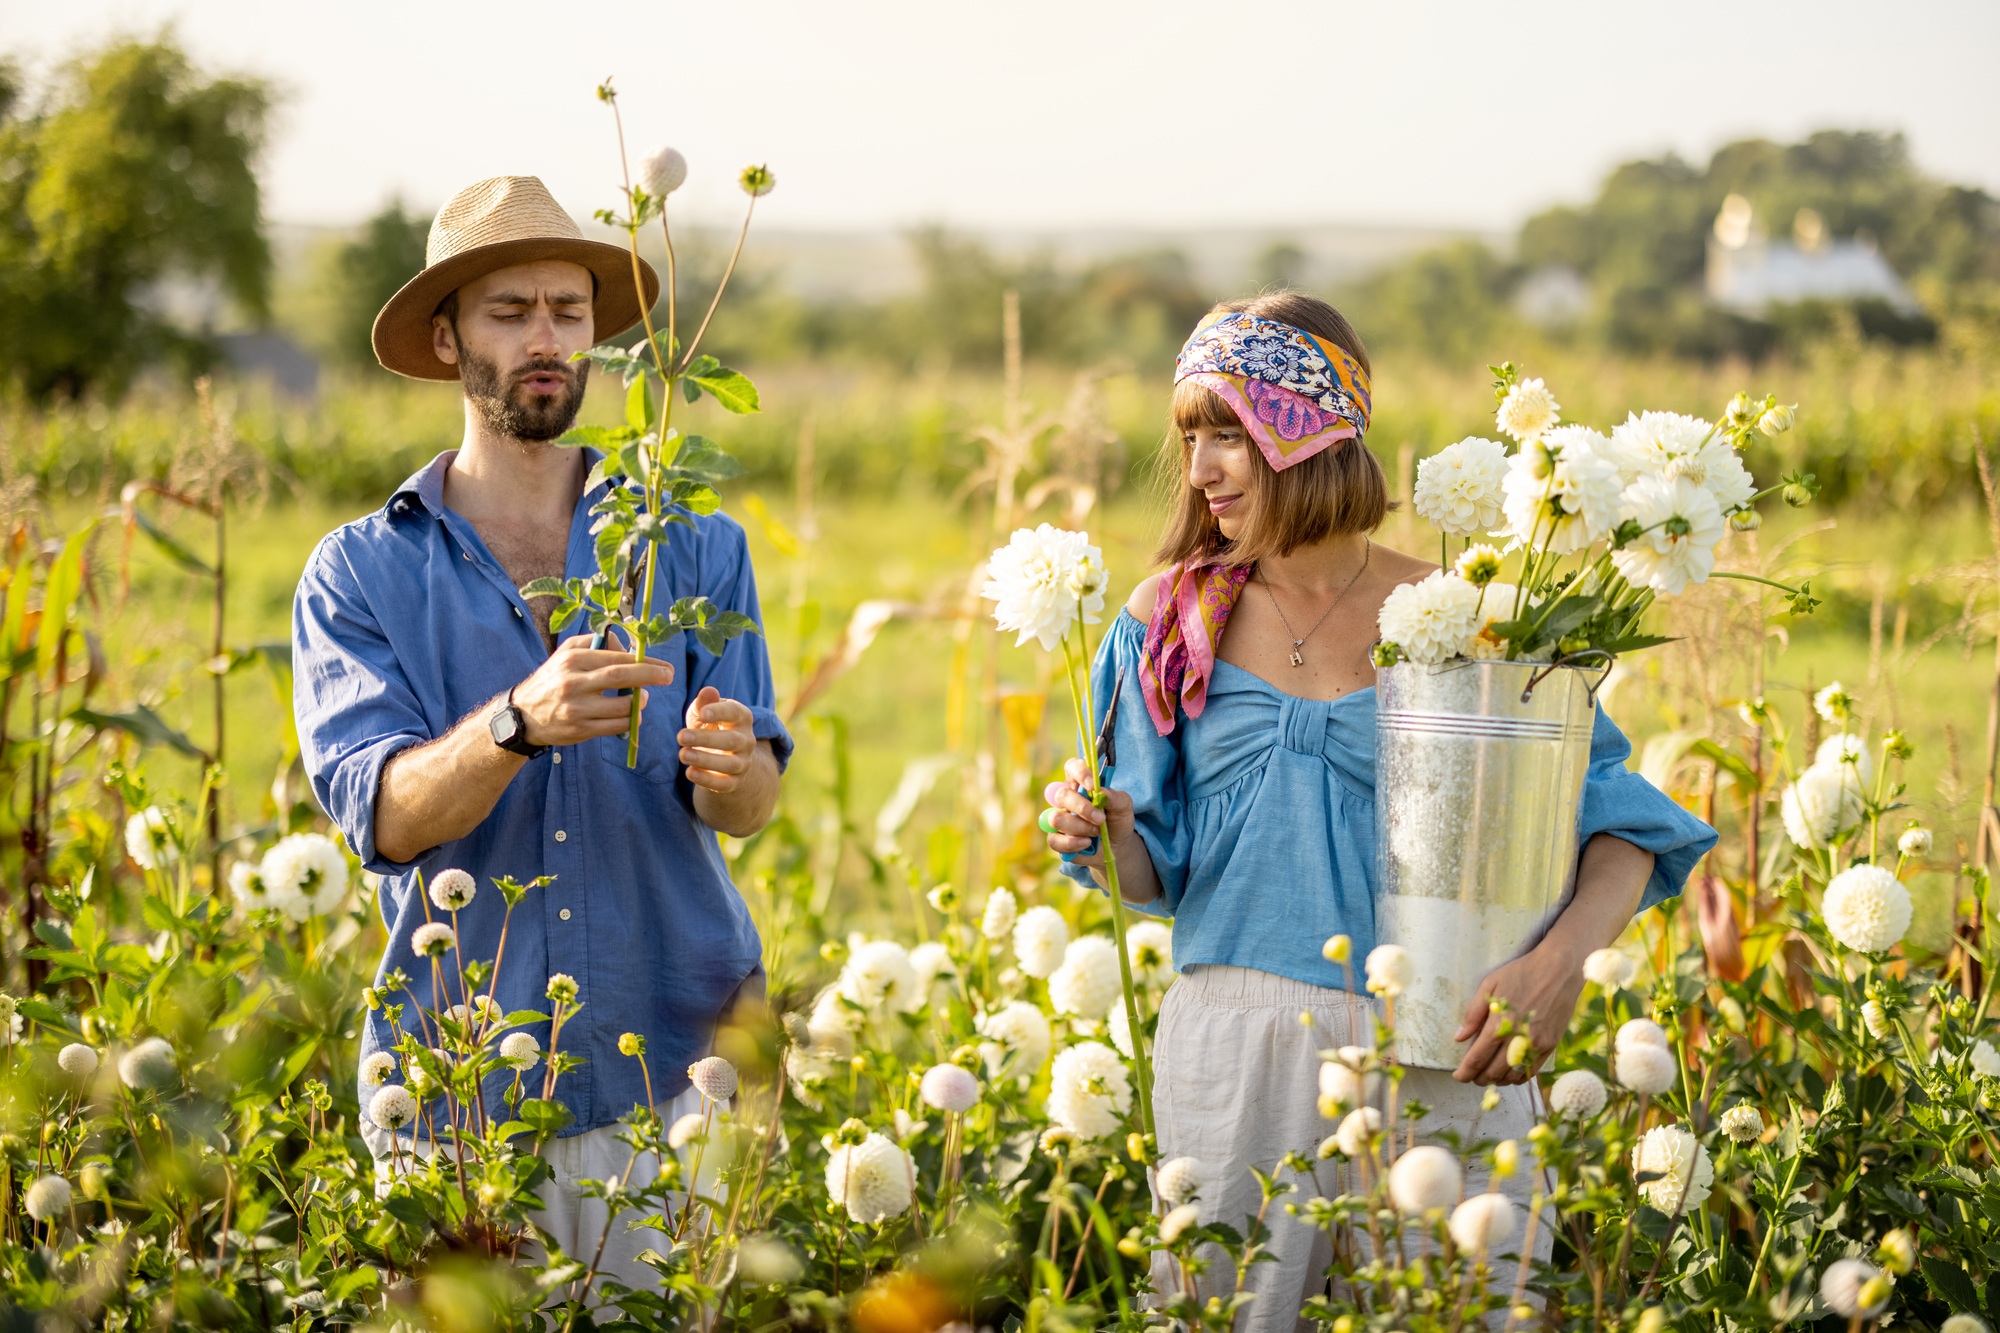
(1517, 1051)
(662, 171)
(1898, 1252)
(944, 897)
(631, 1043)
(757, 181)
(1797, 495)
(1739, 410)
(1875, 1293)
(1778, 419)
(1506, 1158)
(1337, 949)
(1651, 1320)
(1745, 520)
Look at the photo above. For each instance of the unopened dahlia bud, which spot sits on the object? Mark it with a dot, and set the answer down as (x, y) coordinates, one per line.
(757, 181)
(562, 989)
(1778, 419)
(1745, 520)
(1898, 1252)
(1743, 1123)
(631, 1043)
(714, 1077)
(662, 171)
(1337, 949)
(1916, 841)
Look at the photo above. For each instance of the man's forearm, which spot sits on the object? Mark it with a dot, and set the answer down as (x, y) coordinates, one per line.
(746, 809)
(440, 791)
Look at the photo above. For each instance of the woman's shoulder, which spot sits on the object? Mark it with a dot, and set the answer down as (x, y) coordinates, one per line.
(1393, 567)
(1145, 597)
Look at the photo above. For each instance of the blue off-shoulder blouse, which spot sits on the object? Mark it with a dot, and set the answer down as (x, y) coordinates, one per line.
(1259, 816)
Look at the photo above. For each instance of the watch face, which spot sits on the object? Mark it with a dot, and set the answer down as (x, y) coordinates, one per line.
(506, 726)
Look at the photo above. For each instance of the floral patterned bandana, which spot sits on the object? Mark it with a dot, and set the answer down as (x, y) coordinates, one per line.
(1296, 394)
(1178, 658)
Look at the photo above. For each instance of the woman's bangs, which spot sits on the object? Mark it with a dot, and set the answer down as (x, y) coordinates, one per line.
(1195, 406)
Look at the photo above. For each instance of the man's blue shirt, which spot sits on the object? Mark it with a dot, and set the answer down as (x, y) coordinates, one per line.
(404, 624)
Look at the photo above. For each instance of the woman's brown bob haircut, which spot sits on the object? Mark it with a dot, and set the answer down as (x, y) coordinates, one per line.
(1337, 491)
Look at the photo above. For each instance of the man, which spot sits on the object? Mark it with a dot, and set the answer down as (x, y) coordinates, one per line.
(445, 726)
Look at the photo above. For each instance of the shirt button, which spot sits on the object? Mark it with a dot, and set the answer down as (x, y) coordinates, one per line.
(561, 836)
(564, 914)
(466, 555)
(556, 758)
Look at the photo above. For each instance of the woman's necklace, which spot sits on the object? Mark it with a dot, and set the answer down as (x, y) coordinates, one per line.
(1299, 640)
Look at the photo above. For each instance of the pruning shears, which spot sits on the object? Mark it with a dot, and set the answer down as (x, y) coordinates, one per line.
(1107, 755)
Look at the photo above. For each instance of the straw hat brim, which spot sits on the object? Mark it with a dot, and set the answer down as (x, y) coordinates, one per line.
(402, 334)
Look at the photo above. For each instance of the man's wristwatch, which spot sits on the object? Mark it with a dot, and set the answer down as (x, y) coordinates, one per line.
(510, 730)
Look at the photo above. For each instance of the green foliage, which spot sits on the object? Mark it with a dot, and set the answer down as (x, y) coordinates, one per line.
(134, 167)
(362, 274)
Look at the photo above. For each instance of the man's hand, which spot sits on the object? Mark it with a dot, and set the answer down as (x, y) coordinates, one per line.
(568, 699)
(1540, 989)
(718, 741)
(735, 775)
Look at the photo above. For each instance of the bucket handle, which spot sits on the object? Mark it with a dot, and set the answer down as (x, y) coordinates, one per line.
(1605, 659)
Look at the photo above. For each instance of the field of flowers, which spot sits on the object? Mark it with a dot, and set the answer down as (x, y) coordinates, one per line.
(1774, 1107)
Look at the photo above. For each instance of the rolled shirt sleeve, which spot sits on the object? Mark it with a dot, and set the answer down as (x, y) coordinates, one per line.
(354, 707)
(1622, 803)
(1148, 768)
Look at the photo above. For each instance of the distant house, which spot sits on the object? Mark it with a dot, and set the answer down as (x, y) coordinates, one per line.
(1553, 296)
(1748, 272)
(271, 356)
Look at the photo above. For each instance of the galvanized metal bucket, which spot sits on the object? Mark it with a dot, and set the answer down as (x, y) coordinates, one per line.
(1479, 770)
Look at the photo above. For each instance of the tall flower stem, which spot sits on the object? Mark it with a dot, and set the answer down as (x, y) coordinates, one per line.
(1083, 697)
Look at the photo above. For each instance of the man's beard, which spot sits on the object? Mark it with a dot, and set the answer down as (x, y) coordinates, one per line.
(506, 406)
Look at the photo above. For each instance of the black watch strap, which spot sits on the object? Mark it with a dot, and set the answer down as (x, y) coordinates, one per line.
(510, 730)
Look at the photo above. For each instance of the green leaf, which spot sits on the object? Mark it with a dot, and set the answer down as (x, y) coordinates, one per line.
(733, 390)
(1722, 758)
(704, 460)
(639, 405)
(606, 438)
(59, 597)
(546, 1116)
(1952, 1286)
(170, 546)
(545, 587)
(142, 723)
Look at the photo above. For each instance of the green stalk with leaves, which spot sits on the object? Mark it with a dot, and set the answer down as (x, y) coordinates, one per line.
(659, 476)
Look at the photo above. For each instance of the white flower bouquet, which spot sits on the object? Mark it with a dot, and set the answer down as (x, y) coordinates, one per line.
(1596, 528)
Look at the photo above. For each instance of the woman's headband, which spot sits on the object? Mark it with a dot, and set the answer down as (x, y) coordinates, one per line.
(1294, 393)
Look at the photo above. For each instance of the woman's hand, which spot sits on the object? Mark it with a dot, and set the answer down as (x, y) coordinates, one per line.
(1540, 988)
(1075, 823)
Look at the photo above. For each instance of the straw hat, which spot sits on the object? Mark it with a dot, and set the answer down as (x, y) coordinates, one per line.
(491, 225)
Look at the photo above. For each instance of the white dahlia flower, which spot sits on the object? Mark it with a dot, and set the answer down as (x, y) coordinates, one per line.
(880, 976)
(1181, 1180)
(1611, 969)
(662, 170)
(377, 1069)
(1087, 984)
(1821, 805)
(1431, 620)
(1841, 1286)
(1424, 1178)
(713, 1077)
(150, 1064)
(949, 1088)
(1648, 1070)
(1150, 945)
(1680, 526)
(1985, 1060)
(1019, 1036)
(1175, 1224)
(1479, 564)
(433, 939)
(1356, 1129)
(1390, 970)
(1561, 492)
(1039, 940)
(873, 1178)
(1964, 1323)
(1495, 605)
(247, 887)
(1342, 1079)
(1579, 1094)
(520, 1051)
(452, 889)
(1089, 1090)
(766, 1261)
(1866, 908)
(685, 1130)
(1040, 579)
(1743, 1123)
(1914, 842)
(1458, 487)
(1682, 1174)
(1667, 444)
(149, 839)
(392, 1107)
(1847, 748)
(1483, 1222)
(47, 1198)
(1876, 1019)
(305, 873)
(1834, 703)
(1001, 910)
(1528, 411)
(77, 1060)
(1118, 1027)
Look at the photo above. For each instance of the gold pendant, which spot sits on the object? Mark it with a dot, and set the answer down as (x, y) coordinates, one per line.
(1297, 658)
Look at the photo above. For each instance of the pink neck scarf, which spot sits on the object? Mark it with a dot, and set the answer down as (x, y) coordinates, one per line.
(1192, 606)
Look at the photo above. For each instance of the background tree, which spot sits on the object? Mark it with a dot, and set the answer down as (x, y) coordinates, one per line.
(132, 167)
(365, 272)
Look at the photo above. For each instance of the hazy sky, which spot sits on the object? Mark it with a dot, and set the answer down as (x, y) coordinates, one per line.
(1064, 113)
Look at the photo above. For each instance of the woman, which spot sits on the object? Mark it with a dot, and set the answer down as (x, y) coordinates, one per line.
(1243, 796)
